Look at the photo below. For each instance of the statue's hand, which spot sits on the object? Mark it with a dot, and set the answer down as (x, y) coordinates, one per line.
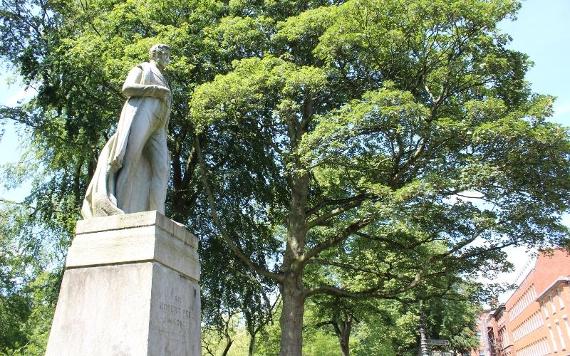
(161, 92)
(156, 91)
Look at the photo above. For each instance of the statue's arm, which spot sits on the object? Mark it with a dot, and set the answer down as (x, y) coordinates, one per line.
(133, 88)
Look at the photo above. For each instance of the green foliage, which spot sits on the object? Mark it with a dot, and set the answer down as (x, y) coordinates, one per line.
(356, 149)
(28, 293)
(320, 344)
(14, 309)
(391, 331)
(43, 290)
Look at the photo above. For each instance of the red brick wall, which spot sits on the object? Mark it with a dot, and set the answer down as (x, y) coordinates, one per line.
(534, 322)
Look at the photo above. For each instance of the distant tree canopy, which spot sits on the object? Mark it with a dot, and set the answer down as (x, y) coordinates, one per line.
(355, 149)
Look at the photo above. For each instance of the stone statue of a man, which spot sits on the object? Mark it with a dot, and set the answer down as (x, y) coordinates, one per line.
(133, 168)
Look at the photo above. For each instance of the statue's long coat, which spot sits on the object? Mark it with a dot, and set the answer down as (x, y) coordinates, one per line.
(100, 197)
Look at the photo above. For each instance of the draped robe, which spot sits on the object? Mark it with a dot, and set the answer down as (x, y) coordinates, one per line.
(100, 199)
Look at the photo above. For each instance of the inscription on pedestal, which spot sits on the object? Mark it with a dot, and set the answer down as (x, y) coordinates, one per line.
(175, 314)
(130, 288)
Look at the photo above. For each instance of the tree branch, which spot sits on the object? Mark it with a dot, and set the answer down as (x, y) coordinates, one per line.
(394, 242)
(373, 292)
(322, 261)
(340, 292)
(329, 202)
(354, 227)
(215, 217)
(323, 219)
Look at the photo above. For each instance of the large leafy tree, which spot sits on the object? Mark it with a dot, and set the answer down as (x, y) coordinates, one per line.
(381, 115)
(308, 136)
(397, 268)
(74, 55)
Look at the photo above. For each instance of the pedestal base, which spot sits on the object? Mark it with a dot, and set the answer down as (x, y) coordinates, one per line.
(130, 288)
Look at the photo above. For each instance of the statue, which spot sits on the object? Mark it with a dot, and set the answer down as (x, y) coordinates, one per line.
(133, 168)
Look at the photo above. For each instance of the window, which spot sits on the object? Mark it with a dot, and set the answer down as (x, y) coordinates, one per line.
(529, 325)
(552, 306)
(562, 343)
(527, 298)
(539, 348)
(554, 347)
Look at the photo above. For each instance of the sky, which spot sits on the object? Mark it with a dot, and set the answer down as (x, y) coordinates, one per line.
(542, 30)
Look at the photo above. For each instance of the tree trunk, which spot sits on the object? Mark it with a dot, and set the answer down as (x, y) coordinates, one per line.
(227, 348)
(342, 329)
(424, 350)
(292, 289)
(344, 344)
(251, 347)
(292, 317)
(344, 336)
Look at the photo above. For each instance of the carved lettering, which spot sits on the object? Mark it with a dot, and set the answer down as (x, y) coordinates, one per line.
(174, 313)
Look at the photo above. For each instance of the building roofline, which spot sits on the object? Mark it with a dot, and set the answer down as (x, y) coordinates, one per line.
(540, 252)
(516, 289)
(558, 281)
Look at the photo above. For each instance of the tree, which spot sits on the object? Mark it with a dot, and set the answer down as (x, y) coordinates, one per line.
(28, 291)
(341, 315)
(453, 318)
(75, 55)
(14, 303)
(448, 310)
(305, 131)
(381, 114)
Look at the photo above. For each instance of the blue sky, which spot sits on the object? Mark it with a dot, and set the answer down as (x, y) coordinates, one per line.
(542, 30)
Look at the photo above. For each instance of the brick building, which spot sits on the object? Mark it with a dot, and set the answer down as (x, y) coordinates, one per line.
(534, 320)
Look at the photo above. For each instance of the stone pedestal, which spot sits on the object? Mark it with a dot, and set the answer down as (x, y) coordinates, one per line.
(130, 287)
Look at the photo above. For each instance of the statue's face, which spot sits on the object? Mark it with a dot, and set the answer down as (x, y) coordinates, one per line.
(162, 58)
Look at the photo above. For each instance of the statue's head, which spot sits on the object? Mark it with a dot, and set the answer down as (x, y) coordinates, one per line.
(160, 53)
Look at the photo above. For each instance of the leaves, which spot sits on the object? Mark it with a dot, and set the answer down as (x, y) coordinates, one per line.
(360, 149)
